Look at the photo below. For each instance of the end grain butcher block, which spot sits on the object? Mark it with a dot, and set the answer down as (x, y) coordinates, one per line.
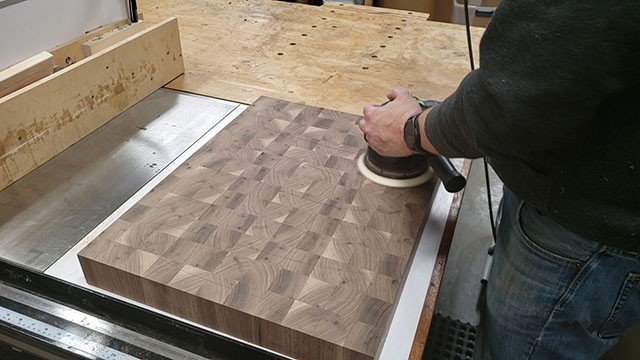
(270, 234)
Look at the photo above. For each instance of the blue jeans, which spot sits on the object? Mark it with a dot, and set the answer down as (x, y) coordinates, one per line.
(553, 294)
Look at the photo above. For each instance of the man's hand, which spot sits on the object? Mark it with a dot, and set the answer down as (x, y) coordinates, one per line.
(383, 125)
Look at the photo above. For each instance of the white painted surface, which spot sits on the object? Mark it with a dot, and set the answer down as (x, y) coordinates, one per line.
(32, 26)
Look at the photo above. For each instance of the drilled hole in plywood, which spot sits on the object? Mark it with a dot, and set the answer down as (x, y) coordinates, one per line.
(398, 28)
(383, 46)
(107, 67)
(333, 26)
(403, 20)
(280, 54)
(304, 34)
(374, 56)
(313, 26)
(292, 43)
(365, 68)
(324, 18)
(390, 36)
(410, 13)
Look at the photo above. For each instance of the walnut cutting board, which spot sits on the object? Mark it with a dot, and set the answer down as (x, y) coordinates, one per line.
(270, 234)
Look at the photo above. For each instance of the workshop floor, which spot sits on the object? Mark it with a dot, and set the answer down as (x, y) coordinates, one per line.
(461, 287)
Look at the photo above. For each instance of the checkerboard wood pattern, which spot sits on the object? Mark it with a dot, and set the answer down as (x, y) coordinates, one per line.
(269, 233)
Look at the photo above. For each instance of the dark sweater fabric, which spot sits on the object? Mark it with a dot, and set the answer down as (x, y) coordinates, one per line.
(555, 107)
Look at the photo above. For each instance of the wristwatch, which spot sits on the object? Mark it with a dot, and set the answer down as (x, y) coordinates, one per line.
(412, 128)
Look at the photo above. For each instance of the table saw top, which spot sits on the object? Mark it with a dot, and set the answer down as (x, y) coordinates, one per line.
(336, 56)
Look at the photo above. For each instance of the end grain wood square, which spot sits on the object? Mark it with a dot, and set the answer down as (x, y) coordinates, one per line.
(270, 234)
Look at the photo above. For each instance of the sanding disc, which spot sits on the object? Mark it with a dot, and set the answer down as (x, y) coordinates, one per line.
(397, 183)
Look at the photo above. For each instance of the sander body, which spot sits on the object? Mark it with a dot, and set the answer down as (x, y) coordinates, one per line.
(410, 170)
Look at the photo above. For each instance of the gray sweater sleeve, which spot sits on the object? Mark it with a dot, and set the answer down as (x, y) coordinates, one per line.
(546, 66)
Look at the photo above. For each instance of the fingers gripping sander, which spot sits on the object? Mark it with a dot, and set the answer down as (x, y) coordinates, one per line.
(411, 170)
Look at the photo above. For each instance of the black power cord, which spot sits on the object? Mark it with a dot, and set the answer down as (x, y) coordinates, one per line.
(486, 164)
(468, 26)
(487, 265)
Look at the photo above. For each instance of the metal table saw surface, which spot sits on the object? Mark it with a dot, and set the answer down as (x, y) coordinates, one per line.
(53, 212)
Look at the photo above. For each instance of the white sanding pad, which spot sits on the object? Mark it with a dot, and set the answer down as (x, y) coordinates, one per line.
(397, 183)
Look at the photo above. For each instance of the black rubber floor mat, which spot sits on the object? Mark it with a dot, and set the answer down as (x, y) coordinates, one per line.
(450, 339)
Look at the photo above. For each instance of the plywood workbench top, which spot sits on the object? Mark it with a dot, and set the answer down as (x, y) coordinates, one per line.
(334, 56)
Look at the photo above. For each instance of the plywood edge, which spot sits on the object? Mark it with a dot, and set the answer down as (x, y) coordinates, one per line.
(111, 37)
(425, 6)
(71, 52)
(44, 118)
(377, 10)
(26, 72)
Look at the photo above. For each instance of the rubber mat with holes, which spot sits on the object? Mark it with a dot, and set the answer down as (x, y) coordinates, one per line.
(450, 339)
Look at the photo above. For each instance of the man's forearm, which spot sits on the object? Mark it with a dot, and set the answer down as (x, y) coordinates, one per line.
(528, 97)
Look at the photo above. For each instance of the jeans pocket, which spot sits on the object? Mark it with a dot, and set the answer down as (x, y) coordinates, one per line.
(626, 310)
(543, 236)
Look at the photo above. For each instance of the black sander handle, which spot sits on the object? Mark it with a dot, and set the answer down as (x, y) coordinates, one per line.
(452, 180)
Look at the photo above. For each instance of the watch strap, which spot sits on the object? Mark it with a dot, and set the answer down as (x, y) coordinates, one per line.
(412, 139)
(412, 134)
